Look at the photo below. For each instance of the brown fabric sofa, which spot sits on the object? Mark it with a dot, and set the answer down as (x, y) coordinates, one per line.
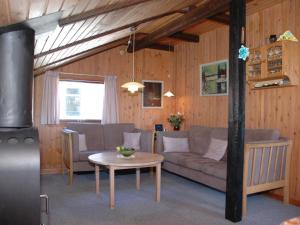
(266, 157)
(99, 138)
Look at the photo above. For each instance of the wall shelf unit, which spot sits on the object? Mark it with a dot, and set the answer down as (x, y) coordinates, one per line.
(273, 65)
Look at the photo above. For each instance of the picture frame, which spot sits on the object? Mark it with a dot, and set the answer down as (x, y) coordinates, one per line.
(214, 78)
(152, 96)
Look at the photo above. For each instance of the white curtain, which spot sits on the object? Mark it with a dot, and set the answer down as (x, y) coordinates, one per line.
(50, 103)
(110, 104)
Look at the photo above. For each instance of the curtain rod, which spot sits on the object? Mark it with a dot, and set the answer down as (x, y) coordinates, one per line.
(82, 74)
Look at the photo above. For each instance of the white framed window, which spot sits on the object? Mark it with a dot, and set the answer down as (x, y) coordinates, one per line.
(80, 100)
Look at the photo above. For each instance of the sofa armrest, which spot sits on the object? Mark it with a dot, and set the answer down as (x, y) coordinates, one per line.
(266, 162)
(147, 139)
(74, 143)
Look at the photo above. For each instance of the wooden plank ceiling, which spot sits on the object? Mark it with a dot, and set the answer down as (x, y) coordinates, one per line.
(91, 26)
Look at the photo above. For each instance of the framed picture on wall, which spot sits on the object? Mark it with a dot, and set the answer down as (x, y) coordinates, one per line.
(152, 96)
(214, 78)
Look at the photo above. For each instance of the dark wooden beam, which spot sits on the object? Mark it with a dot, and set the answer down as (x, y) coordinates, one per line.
(236, 112)
(134, 24)
(205, 10)
(168, 48)
(81, 55)
(185, 37)
(100, 11)
(221, 18)
(40, 25)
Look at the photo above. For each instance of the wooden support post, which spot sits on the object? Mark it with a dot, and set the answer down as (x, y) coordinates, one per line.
(158, 182)
(111, 187)
(97, 177)
(236, 126)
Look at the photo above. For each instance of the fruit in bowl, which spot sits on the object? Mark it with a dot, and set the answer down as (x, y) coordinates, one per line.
(126, 152)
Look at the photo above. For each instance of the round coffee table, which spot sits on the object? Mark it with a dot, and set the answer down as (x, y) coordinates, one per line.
(113, 161)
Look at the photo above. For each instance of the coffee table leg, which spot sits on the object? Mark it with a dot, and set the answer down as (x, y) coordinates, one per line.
(158, 181)
(97, 173)
(138, 178)
(111, 187)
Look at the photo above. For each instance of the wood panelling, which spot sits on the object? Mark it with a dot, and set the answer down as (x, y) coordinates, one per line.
(150, 65)
(269, 108)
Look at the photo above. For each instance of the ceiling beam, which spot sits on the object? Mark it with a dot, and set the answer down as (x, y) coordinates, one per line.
(185, 37)
(221, 18)
(40, 25)
(205, 10)
(134, 24)
(168, 48)
(99, 11)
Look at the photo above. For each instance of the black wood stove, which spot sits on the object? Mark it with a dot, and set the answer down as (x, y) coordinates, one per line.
(19, 145)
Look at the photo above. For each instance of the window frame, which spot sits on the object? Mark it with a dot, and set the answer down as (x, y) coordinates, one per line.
(97, 81)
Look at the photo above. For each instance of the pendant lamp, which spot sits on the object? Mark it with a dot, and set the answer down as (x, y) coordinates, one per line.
(133, 86)
(169, 93)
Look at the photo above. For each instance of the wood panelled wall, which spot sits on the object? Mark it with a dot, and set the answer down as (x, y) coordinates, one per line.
(270, 108)
(150, 65)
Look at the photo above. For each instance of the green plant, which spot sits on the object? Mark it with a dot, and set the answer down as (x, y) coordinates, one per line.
(125, 151)
(176, 119)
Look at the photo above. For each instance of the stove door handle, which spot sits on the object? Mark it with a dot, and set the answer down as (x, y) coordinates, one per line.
(44, 196)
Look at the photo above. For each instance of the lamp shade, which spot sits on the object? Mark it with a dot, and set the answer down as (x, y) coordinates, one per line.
(169, 94)
(132, 86)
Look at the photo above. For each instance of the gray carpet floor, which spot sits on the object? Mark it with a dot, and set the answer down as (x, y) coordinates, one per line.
(183, 202)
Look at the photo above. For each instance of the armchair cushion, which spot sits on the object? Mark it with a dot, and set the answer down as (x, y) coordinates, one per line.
(132, 140)
(82, 142)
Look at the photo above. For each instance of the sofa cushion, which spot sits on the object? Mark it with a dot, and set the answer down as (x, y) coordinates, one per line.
(196, 162)
(161, 134)
(199, 138)
(219, 133)
(181, 158)
(132, 140)
(252, 135)
(216, 149)
(214, 168)
(113, 134)
(83, 156)
(93, 133)
(176, 144)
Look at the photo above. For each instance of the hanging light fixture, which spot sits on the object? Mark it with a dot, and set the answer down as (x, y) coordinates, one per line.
(133, 86)
(169, 93)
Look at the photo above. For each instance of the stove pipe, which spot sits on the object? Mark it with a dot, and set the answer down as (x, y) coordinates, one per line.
(16, 78)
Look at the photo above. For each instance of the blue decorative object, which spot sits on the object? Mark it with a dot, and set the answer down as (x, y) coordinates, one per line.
(243, 52)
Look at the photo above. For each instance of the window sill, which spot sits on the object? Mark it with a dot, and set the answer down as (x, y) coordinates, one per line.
(79, 121)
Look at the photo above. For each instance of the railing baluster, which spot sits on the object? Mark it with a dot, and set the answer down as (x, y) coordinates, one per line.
(284, 148)
(276, 160)
(269, 164)
(261, 164)
(253, 166)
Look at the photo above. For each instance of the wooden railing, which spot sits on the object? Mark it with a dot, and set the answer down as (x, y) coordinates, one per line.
(266, 167)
